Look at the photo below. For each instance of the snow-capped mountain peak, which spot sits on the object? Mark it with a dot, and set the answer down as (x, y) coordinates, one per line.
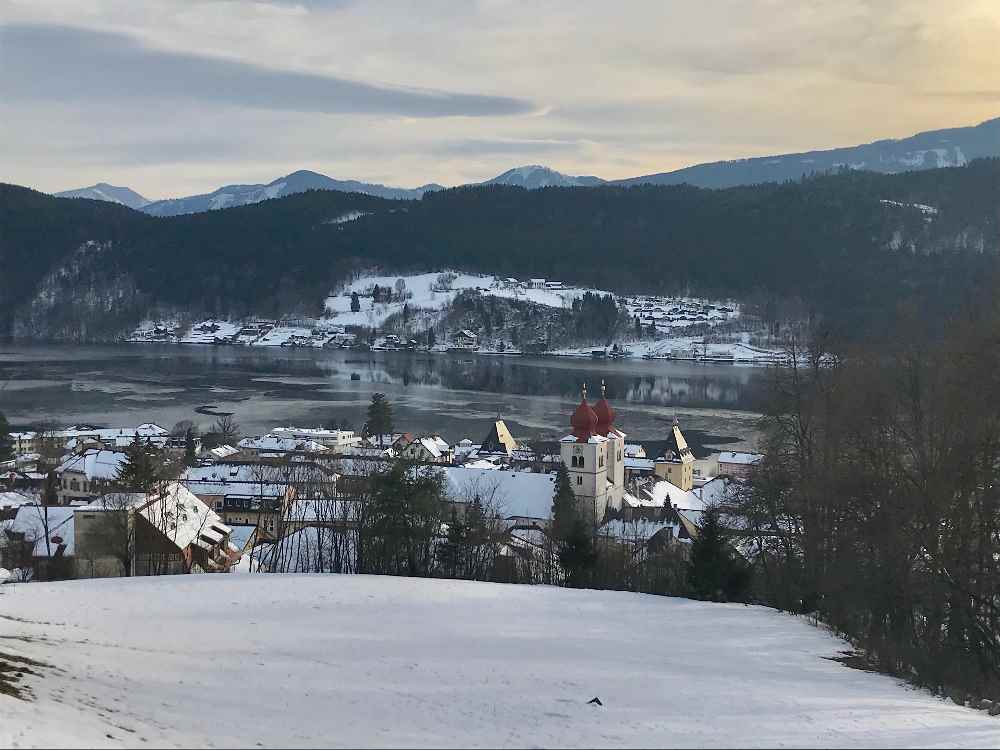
(102, 191)
(533, 176)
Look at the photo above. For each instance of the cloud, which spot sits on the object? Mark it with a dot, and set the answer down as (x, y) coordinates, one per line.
(73, 64)
(483, 146)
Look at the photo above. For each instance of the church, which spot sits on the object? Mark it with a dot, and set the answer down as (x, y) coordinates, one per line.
(594, 454)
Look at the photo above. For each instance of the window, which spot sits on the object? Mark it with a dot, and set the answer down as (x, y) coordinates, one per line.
(581, 462)
(600, 461)
(574, 462)
(579, 480)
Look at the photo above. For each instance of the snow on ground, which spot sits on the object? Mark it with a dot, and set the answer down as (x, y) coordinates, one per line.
(206, 331)
(244, 660)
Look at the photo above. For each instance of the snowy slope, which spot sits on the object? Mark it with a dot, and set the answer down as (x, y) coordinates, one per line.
(292, 661)
(102, 191)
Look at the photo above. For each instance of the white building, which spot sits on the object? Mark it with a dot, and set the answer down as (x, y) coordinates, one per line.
(594, 455)
(335, 439)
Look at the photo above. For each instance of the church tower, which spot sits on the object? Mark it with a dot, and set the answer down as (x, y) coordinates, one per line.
(676, 465)
(585, 455)
(615, 449)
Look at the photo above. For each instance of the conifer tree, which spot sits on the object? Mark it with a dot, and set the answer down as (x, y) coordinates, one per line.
(355, 302)
(6, 443)
(564, 510)
(714, 571)
(190, 452)
(141, 470)
(380, 417)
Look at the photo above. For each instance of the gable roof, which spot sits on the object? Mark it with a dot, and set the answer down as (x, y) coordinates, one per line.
(31, 521)
(184, 519)
(95, 464)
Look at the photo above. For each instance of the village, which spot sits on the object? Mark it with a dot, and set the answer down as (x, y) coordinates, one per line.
(409, 313)
(85, 502)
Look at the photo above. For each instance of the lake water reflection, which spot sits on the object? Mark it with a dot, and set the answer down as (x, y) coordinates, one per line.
(455, 394)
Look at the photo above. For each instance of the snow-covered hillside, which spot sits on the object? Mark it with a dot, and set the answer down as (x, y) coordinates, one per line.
(354, 661)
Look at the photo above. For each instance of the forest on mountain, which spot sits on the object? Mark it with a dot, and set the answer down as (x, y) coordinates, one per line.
(853, 246)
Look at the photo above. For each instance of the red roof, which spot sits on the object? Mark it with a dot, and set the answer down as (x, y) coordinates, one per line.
(605, 414)
(584, 420)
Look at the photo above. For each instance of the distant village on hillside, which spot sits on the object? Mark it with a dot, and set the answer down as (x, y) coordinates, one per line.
(411, 313)
(85, 502)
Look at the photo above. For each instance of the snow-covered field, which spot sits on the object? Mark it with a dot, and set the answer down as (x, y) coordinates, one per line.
(332, 660)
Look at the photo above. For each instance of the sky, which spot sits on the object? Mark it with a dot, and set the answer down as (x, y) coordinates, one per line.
(175, 97)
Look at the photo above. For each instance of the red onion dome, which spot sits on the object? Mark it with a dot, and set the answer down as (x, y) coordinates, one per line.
(584, 420)
(605, 414)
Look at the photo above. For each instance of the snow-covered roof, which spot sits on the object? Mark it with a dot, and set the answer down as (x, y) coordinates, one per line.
(240, 534)
(736, 457)
(637, 530)
(519, 494)
(639, 464)
(591, 439)
(10, 500)
(665, 494)
(224, 451)
(281, 445)
(95, 464)
(183, 518)
(633, 450)
(31, 521)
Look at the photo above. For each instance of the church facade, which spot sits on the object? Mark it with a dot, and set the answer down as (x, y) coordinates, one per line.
(594, 455)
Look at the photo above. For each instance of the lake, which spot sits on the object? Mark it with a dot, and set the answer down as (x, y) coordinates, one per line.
(457, 395)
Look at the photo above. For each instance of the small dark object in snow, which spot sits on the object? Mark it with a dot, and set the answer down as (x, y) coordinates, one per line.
(595, 700)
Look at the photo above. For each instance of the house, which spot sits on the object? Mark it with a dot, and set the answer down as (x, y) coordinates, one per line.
(222, 452)
(397, 441)
(243, 537)
(89, 474)
(40, 539)
(634, 450)
(333, 439)
(536, 283)
(25, 442)
(245, 493)
(464, 340)
(738, 465)
(175, 532)
(429, 449)
(272, 446)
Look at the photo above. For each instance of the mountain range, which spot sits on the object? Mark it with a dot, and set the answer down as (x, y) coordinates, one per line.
(849, 247)
(928, 150)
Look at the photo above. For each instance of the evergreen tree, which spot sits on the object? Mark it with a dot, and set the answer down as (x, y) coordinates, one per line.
(380, 417)
(355, 302)
(190, 449)
(577, 554)
(714, 572)
(564, 510)
(141, 470)
(451, 553)
(406, 314)
(638, 327)
(6, 442)
(431, 338)
(376, 295)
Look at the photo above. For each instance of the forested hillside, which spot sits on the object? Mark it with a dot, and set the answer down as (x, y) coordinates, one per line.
(852, 245)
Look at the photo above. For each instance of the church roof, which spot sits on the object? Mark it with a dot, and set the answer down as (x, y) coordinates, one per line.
(676, 448)
(584, 420)
(498, 440)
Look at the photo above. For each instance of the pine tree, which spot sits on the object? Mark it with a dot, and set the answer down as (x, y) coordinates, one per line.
(6, 442)
(406, 314)
(564, 510)
(190, 449)
(376, 295)
(141, 470)
(355, 302)
(577, 554)
(638, 327)
(431, 338)
(714, 571)
(380, 417)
